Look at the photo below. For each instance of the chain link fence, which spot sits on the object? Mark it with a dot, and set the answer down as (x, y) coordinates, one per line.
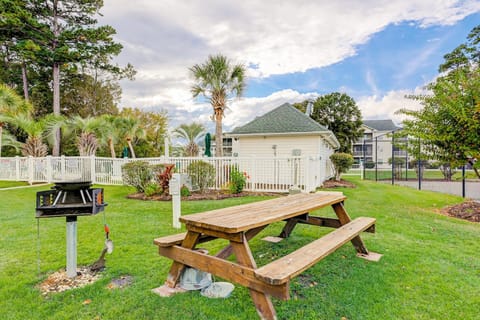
(386, 159)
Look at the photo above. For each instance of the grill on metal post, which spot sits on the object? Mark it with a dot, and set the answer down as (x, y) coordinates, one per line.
(70, 199)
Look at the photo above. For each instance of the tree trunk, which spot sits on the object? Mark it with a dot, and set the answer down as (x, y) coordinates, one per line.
(56, 80)
(132, 152)
(218, 133)
(112, 148)
(1, 133)
(25, 81)
(474, 169)
(56, 107)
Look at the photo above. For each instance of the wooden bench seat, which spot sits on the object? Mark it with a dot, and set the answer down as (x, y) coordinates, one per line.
(287, 267)
(176, 239)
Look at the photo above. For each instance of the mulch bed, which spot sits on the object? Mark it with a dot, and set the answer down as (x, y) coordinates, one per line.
(468, 210)
(338, 184)
(208, 195)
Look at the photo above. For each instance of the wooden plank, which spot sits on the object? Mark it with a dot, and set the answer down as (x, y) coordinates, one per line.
(225, 269)
(237, 236)
(252, 215)
(176, 269)
(262, 301)
(228, 250)
(344, 219)
(322, 222)
(176, 239)
(328, 222)
(288, 228)
(285, 268)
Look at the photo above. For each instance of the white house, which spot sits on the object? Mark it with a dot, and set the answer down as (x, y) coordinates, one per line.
(285, 132)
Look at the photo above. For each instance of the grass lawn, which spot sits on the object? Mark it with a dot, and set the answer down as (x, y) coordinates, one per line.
(9, 184)
(430, 174)
(430, 268)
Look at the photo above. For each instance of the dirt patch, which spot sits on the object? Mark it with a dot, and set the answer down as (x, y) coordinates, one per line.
(468, 210)
(208, 195)
(338, 184)
(59, 281)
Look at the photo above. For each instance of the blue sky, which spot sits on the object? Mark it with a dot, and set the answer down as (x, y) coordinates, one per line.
(376, 51)
(401, 56)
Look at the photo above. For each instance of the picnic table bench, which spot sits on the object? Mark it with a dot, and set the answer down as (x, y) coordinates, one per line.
(241, 223)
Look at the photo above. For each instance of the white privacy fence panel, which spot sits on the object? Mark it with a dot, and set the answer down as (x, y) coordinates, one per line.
(272, 174)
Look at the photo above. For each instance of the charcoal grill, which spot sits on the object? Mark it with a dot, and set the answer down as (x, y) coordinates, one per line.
(70, 199)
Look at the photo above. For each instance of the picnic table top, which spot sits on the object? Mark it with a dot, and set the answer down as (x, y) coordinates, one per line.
(249, 216)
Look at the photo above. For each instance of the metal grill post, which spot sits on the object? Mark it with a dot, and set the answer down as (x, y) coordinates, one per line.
(72, 247)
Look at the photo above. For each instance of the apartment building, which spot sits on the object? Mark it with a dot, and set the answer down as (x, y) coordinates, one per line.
(376, 144)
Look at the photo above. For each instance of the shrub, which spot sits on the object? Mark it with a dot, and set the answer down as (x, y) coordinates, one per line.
(237, 181)
(162, 174)
(184, 191)
(341, 163)
(369, 165)
(137, 174)
(151, 189)
(202, 174)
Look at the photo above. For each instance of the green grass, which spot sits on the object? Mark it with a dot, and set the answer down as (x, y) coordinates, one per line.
(9, 184)
(430, 174)
(430, 268)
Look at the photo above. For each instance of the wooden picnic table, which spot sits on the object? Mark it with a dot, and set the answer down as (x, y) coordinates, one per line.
(241, 223)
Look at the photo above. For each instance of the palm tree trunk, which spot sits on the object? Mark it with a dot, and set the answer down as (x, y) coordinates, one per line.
(112, 148)
(218, 133)
(130, 146)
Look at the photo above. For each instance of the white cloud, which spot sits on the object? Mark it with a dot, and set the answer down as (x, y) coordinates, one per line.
(163, 38)
(278, 36)
(245, 110)
(385, 107)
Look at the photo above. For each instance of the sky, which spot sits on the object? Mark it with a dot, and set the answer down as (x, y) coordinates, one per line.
(376, 51)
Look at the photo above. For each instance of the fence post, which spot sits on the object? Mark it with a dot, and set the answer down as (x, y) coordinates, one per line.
(30, 170)
(17, 168)
(362, 176)
(49, 169)
(62, 167)
(309, 173)
(93, 173)
(253, 174)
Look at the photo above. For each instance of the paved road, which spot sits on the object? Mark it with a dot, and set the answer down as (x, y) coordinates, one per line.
(472, 188)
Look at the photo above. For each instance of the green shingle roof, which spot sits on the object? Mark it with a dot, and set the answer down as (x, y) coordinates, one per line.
(283, 119)
(381, 125)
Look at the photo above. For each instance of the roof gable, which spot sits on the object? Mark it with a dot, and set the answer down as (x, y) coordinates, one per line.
(283, 119)
(381, 125)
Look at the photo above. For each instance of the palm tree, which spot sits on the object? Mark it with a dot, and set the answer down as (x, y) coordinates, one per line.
(218, 80)
(109, 133)
(11, 105)
(36, 131)
(10, 141)
(192, 133)
(130, 129)
(87, 129)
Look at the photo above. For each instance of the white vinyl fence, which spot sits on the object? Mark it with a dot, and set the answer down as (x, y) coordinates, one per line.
(263, 174)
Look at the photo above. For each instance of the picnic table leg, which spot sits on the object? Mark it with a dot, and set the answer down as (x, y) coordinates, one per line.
(262, 301)
(228, 250)
(288, 228)
(176, 269)
(344, 219)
